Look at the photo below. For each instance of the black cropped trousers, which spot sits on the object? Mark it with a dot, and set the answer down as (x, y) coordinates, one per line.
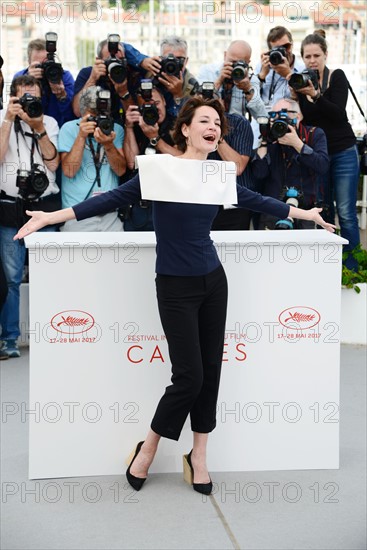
(193, 314)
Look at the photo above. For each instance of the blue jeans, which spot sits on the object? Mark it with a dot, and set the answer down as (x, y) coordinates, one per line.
(344, 176)
(13, 255)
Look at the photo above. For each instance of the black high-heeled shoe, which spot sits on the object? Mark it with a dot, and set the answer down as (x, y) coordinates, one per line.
(188, 472)
(135, 482)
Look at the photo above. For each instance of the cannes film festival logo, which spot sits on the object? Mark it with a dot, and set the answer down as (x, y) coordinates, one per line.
(72, 321)
(299, 317)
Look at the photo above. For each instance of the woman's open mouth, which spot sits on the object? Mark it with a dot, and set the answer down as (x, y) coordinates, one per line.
(209, 137)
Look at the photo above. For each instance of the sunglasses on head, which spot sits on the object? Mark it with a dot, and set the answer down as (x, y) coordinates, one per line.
(273, 114)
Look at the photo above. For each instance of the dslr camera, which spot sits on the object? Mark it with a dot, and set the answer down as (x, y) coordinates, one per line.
(32, 183)
(52, 71)
(116, 68)
(172, 65)
(31, 105)
(276, 126)
(293, 197)
(148, 110)
(239, 70)
(300, 80)
(103, 119)
(277, 55)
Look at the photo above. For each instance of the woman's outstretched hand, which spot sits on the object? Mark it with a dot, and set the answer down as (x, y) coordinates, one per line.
(38, 220)
(315, 216)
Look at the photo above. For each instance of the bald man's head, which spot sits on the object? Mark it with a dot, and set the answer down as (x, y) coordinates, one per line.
(238, 50)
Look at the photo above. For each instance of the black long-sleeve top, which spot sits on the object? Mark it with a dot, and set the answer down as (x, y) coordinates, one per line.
(184, 246)
(329, 113)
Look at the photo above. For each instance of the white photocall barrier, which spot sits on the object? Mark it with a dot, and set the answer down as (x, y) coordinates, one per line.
(99, 361)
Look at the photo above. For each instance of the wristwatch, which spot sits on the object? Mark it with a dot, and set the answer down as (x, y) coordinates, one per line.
(125, 96)
(153, 141)
(39, 136)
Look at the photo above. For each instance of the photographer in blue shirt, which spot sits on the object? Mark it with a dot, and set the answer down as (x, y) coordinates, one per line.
(57, 94)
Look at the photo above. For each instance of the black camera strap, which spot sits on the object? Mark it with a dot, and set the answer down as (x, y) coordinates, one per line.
(356, 100)
(96, 155)
(97, 160)
(19, 130)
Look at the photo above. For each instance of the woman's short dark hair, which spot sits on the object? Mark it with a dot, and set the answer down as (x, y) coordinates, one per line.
(24, 80)
(187, 113)
(318, 37)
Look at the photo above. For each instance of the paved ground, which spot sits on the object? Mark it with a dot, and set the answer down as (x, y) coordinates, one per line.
(295, 510)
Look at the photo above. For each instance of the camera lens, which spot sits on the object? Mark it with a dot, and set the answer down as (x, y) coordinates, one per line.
(298, 81)
(275, 58)
(170, 67)
(150, 114)
(279, 129)
(238, 73)
(33, 108)
(39, 182)
(105, 123)
(53, 73)
(117, 72)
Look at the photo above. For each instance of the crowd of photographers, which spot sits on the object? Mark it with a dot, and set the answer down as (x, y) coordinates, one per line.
(63, 141)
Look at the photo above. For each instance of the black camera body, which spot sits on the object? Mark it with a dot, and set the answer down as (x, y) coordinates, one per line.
(104, 122)
(103, 106)
(172, 65)
(52, 71)
(31, 105)
(272, 132)
(148, 110)
(32, 183)
(293, 197)
(116, 68)
(277, 55)
(300, 80)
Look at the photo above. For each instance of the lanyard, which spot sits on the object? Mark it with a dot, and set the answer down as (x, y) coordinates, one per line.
(97, 160)
(96, 155)
(18, 129)
(273, 86)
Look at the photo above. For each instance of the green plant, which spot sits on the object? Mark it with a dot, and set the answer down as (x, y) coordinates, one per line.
(350, 279)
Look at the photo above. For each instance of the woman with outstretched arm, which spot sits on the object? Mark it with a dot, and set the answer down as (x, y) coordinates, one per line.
(191, 292)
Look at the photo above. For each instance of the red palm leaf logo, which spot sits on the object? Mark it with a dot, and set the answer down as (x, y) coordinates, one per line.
(299, 317)
(72, 321)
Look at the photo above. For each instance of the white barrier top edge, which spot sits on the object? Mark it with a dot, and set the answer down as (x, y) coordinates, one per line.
(148, 239)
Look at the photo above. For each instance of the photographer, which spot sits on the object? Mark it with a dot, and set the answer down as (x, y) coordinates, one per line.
(28, 161)
(57, 94)
(92, 158)
(291, 163)
(172, 76)
(276, 66)
(238, 89)
(148, 131)
(132, 64)
(325, 105)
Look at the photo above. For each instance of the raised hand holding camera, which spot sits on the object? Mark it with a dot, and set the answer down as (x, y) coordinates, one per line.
(99, 70)
(291, 139)
(49, 70)
(87, 126)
